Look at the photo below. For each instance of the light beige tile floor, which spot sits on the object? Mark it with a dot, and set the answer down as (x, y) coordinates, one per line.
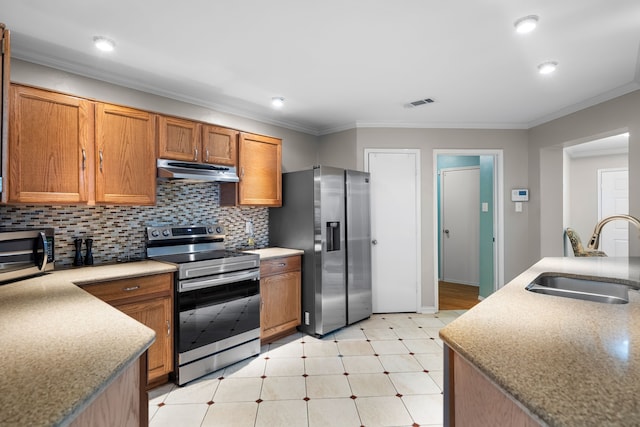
(383, 371)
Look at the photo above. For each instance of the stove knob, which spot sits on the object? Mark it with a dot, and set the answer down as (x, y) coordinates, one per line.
(210, 230)
(166, 233)
(219, 230)
(155, 233)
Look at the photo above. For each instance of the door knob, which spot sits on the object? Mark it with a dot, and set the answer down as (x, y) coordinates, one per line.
(446, 231)
(374, 242)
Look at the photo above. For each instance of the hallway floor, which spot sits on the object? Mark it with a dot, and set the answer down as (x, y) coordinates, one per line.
(383, 371)
(454, 296)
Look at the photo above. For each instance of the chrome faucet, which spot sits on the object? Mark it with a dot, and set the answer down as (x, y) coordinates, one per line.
(595, 238)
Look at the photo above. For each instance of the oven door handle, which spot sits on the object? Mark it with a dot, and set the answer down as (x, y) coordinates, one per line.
(218, 279)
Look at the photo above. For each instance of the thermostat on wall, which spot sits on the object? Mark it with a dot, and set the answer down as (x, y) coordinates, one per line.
(520, 195)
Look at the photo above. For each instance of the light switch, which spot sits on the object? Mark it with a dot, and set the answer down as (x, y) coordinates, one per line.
(518, 206)
(485, 207)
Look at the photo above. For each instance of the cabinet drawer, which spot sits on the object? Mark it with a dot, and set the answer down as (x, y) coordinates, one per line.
(279, 265)
(134, 288)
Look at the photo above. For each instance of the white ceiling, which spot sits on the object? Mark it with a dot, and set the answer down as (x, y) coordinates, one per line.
(342, 64)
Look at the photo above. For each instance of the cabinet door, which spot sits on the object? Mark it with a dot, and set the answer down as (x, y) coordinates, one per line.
(219, 145)
(178, 139)
(281, 304)
(156, 314)
(125, 155)
(260, 170)
(50, 142)
(5, 55)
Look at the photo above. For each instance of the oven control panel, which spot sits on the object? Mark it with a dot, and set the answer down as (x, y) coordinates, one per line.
(207, 231)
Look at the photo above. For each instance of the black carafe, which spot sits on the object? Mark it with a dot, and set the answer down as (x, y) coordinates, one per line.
(77, 260)
(88, 259)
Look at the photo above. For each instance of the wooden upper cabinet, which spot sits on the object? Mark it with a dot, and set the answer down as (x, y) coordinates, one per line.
(50, 147)
(178, 139)
(125, 155)
(260, 170)
(219, 145)
(185, 140)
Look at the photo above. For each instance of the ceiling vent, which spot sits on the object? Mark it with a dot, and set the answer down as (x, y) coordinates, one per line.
(419, 102)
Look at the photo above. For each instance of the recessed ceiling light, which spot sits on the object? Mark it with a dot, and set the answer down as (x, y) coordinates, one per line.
(547, 67)
(104, 44)
(277, 101)
(526, 24)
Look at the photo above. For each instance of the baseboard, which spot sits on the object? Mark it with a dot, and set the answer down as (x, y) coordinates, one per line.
(428, 310)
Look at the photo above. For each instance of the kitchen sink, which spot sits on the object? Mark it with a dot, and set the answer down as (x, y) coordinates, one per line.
(584, 288)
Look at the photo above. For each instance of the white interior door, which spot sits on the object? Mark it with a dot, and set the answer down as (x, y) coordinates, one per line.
(460, 201)
(394, 229)
(613, 196)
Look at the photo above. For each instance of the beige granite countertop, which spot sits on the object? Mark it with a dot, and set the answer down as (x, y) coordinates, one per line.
(269, 253)
(60, 346)
(569, 362)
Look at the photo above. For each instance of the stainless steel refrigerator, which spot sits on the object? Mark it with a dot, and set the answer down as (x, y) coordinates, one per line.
(326, 213)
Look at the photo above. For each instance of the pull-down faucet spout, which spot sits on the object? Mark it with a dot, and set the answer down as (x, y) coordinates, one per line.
(595, 238)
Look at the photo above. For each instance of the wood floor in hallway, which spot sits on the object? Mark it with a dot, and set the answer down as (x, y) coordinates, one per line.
(453, 296)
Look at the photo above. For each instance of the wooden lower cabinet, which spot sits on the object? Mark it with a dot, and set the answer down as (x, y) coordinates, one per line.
(156, 314)
(123, 403)
(149, 300)
(471, 399)
(280, 291)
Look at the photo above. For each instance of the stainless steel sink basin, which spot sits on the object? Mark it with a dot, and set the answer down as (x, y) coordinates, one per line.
(584, 288)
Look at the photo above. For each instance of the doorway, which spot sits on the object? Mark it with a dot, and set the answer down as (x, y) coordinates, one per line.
(490, 253)
(613, 199)
(395, 229)
(595, 176)
(460, 222)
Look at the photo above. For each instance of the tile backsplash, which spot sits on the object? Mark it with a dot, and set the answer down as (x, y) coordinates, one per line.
(118, 232)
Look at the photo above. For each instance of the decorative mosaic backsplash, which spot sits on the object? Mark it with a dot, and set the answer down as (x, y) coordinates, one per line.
(118, 232)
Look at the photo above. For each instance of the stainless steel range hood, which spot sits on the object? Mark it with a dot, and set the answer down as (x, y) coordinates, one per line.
(195, 172)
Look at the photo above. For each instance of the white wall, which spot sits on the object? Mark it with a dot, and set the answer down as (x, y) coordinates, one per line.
(339, 150)
(549, 197)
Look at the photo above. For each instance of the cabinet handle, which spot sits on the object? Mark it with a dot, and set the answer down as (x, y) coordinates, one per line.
(207, 158)
(84, 159)
(168, 328)
(131, 288)
(242, 172)
(101, 158)
(195, 154)
(282, 264)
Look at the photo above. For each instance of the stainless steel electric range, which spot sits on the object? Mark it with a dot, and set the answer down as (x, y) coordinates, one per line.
(217, 298)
